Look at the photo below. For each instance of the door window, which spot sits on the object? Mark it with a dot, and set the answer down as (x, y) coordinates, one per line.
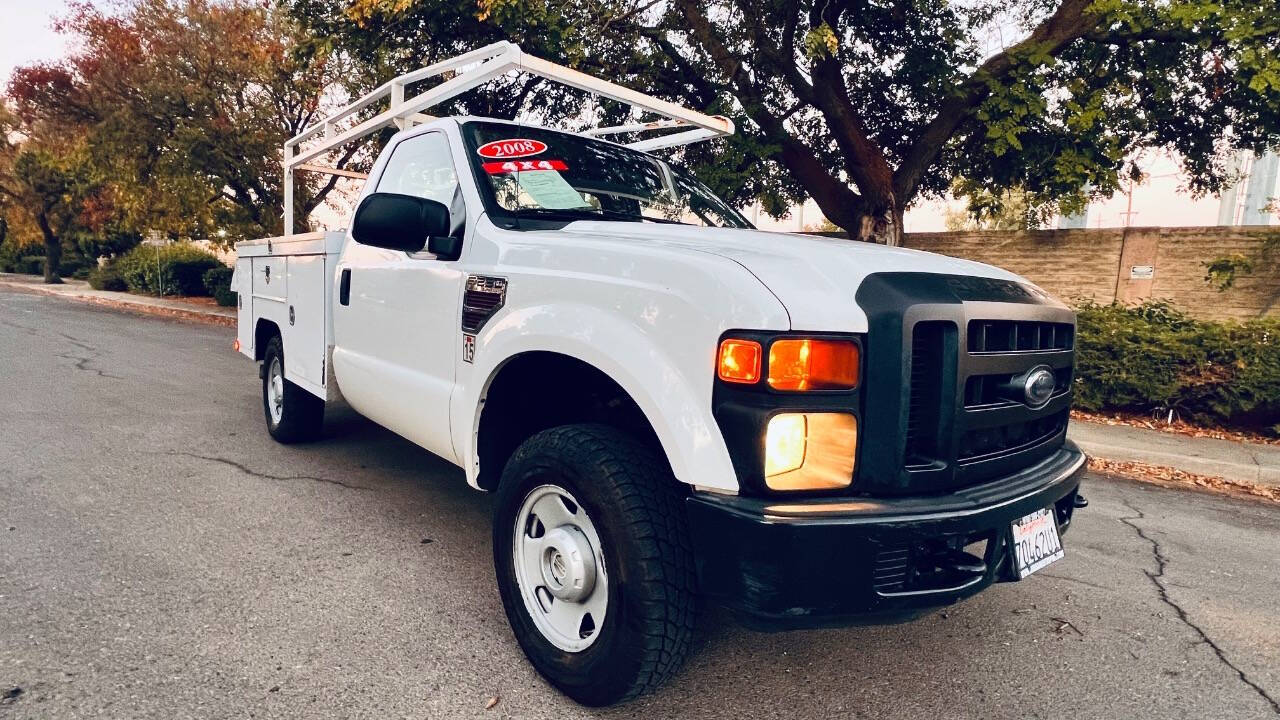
(421, 166)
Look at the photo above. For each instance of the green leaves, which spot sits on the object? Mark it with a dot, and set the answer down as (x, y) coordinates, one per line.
(820, 42)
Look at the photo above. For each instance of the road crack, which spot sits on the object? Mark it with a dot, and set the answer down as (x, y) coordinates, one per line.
(265, 476)
(1077, 581)
(78, 343)
(1157, 579)
(82, 363)
(25, 328)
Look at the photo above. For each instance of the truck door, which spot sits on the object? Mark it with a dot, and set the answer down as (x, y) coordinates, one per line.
(396, 335)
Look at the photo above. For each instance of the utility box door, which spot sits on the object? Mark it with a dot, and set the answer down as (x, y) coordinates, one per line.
(305, 341)
(269, 277)
(240, 282)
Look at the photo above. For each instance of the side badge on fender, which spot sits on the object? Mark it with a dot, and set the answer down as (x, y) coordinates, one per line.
(468, 348)
(483, 298)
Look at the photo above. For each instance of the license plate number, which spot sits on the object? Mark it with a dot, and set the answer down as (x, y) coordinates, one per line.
(1035, 542)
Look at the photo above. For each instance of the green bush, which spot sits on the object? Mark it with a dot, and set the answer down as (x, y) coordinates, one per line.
(30, 265)
(74, 266)
(166, 269)
(11, 253)
(107, 277)
(217, 281)
(1153, 358)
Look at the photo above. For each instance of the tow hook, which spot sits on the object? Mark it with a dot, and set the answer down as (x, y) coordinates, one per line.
(1081, 502)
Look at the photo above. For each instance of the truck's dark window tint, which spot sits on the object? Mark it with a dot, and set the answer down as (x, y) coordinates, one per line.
(561, 176)
(421, 166)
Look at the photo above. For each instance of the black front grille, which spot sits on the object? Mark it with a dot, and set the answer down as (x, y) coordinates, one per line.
(996, 423)
(1001, 336)
(944, 401)
(980, 390)
(925, 399)
(1001, 439)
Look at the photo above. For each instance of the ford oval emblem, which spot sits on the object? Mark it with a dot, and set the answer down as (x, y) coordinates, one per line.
(1038, 386)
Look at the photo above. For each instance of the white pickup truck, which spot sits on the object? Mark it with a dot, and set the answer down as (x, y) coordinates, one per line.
(672, 407)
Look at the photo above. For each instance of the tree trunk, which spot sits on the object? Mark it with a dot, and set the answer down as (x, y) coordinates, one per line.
(52, 251)
(881, 228)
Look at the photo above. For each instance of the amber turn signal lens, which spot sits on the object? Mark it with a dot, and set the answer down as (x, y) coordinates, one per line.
(813, 365)
(739, 361)
(236, 345)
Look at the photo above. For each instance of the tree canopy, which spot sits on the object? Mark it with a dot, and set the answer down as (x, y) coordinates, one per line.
(868, 106)
(182, 108)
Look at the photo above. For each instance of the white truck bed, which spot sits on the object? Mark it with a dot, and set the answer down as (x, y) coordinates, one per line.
(288, 281)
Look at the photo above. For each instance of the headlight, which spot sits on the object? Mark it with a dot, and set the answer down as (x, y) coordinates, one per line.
(810, 451)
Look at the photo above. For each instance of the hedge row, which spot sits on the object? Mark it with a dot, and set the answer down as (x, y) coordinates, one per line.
(1153, 358)
(76, 267)
(181, 269)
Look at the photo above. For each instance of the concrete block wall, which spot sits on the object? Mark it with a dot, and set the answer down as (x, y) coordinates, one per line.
(1131, 264)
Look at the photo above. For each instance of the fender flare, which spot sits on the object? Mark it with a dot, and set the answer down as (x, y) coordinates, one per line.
(661, 385)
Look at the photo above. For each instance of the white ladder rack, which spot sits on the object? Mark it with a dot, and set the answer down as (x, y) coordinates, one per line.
(471, 70)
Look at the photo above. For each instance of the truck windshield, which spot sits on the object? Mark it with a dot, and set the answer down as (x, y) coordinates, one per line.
(531, 172)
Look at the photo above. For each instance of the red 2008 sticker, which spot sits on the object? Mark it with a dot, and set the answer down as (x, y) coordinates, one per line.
(513, 148)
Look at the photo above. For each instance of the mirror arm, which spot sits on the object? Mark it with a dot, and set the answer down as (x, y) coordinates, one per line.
(445, 247)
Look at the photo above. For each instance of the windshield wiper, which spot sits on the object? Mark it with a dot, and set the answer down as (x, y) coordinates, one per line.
(588, 214)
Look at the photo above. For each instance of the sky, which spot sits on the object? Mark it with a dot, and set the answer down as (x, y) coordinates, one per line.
(26, 33)
(1159, 200)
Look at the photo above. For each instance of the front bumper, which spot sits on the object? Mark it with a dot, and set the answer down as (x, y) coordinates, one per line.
(848, 561)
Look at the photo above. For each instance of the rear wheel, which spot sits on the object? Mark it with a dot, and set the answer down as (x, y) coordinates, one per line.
(593, 562)
(293, 414)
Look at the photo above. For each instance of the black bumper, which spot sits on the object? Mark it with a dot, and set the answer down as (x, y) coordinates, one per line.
(809, 563)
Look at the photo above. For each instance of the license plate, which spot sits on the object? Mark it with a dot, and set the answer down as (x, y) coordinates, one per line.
(1035, 542)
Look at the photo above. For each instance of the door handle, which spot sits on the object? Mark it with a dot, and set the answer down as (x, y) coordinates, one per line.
(344, 287)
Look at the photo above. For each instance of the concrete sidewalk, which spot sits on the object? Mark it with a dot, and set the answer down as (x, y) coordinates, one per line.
(1246, 462)
(80, 290)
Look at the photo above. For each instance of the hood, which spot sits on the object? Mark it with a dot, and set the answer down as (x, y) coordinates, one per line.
(807, 273)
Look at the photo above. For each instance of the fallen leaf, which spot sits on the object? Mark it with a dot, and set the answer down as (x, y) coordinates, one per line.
(1172, 477)
(1063, 624)
(1177, 427)
(492, 701)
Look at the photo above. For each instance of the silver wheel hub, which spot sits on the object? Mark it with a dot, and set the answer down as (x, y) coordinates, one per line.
(559, 569)
(568, 564)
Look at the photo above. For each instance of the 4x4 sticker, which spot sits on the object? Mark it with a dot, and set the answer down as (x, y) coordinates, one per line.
(510, 149)
(510, 166)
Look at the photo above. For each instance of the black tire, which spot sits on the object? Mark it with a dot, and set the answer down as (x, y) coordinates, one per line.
(302, 414)
(634, 505)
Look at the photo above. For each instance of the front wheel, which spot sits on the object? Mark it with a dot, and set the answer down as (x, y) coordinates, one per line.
(293, 414)
(593, 562)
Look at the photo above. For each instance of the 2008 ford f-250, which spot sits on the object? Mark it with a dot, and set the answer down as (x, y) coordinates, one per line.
(671, 406)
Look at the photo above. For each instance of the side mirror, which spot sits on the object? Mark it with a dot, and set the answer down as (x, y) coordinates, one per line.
(399, 222)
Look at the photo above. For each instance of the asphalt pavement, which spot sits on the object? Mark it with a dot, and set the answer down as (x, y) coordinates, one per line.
(161, 557)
